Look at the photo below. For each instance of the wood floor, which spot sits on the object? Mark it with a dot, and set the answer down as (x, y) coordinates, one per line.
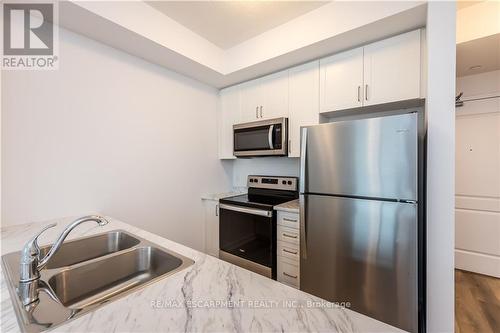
(477, 303)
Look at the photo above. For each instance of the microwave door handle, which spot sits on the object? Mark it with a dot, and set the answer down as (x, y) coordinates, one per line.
(270, 137)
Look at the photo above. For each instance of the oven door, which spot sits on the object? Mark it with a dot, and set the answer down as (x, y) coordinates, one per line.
(247, 238)
(261, 138)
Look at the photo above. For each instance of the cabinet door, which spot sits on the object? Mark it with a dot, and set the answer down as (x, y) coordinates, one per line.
(229, 114)
(392, 69)
(274, 95)
(303, 102)
(251, 100)
(341, 81)
(212, 227)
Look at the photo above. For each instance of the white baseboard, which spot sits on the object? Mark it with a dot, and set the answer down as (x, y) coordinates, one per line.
(477, 262)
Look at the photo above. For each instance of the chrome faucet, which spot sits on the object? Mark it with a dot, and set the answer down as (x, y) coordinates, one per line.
(32, 262)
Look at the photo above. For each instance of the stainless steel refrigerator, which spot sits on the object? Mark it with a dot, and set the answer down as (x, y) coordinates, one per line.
(361, 224)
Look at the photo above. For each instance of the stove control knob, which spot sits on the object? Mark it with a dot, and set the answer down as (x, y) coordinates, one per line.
(289, 182)
(283, 182)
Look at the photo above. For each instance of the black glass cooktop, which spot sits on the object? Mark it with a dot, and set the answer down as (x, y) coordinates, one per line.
(261, 198)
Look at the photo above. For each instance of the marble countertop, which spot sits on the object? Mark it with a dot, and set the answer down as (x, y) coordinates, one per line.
(209, 296)
(217, 196)
(289, 206)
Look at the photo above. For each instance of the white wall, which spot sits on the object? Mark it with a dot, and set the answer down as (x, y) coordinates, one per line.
(268, 166)
(441, 51)
(109, 133)
(477, 224)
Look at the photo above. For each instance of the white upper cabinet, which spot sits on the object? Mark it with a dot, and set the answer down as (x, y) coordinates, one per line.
(250, 101)
(275, 95)
(341, 78)
(265, 98)
(381, 72)
(229, 114)
(303, 102)
(392, 69)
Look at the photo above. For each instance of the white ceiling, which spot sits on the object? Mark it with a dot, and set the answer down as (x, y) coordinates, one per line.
(228, 23)
(461, 4)
(157, 38)
(484, 52)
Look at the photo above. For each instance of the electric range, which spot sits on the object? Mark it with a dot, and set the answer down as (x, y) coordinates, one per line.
(247, 223)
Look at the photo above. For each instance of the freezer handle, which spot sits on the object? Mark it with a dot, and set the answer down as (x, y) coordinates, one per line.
(303, 227)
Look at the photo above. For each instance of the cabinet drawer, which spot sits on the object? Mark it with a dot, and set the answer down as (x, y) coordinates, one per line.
(288, 274)
(288, 235)
(288, 250)
(290, 220)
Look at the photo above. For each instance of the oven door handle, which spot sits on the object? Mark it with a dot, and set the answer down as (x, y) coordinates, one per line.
(270, 137)
(247, 210)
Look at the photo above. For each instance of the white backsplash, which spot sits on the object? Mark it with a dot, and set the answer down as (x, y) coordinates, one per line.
(269, 166)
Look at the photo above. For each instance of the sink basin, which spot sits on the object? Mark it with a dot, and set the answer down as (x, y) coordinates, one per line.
(74, 252)
(87, 284)
(87, 273)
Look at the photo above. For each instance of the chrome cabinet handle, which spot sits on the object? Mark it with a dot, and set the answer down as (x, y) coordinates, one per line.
(359, 93)
(217, 210)
(366, 91)
(288, 251)
(289, 220)
(289, 146)
(292, 276)
(261, 111)
(256, 112)
(289, 236)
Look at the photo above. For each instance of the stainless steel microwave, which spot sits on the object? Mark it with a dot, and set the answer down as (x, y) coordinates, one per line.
(261, 138)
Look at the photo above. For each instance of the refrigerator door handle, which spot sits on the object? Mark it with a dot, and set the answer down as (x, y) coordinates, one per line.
(303, 152)
(302, 186)
(303, 229)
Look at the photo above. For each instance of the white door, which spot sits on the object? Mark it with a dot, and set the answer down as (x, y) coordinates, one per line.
(212, 227)
(392, 69)
(251, 100)
(341, 81)
(274, 94)
(229, 114)
(303, 102)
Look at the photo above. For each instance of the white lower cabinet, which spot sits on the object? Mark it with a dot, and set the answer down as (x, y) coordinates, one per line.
(211, 227)
(288, 235)
(288, 249)
(288, 272)
(290, 220)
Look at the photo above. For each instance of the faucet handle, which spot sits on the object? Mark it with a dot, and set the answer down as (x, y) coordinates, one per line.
(31, 246)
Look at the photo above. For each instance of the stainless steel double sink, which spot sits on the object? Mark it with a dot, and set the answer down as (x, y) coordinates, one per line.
(88, 272)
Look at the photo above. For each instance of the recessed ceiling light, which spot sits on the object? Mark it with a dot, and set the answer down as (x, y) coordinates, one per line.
(473, 68)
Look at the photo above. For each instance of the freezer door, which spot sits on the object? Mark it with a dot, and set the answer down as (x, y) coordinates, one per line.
(375, 157)
(363, 252)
